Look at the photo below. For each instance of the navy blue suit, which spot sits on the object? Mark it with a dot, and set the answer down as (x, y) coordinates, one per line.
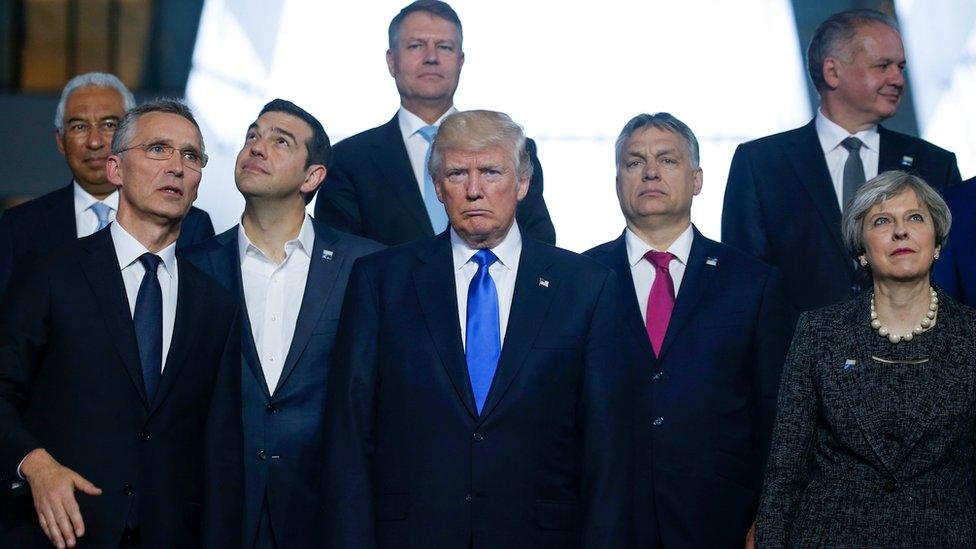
(30, 229)
(282, 427)
(411, 463)
(705, 406)
(371, 191)
(955, 270)
(781, 207)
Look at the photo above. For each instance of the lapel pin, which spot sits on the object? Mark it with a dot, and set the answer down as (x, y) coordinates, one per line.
(849, 363)
(544, 283)
(712, 261)
(907, 160)
(327, 254)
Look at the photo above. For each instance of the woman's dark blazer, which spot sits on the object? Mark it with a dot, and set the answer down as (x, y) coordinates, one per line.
(836, 477)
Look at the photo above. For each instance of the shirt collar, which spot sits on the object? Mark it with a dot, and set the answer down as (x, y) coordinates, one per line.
(84, 200)
(128, 250)
(831, 134)
(304, 242)
(680, 248)
(507, 251)
(410, 123)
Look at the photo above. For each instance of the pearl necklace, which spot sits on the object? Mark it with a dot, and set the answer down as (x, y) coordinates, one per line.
(925, 323)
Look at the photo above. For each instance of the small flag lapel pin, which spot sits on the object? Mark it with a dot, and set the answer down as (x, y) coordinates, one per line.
(711, 261)
(849, 363)
(544, 283)
(327, 254)
(907, 161)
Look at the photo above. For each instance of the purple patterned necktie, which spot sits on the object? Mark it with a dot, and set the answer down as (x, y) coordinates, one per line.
(660, 301)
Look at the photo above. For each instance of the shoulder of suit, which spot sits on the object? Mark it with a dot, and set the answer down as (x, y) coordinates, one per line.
(580, 264)
(356, 244)
(37, 205)
(733, 258)
(600, 251)
(214, 292)
(961, 196)
(775, 139)
(362, 139)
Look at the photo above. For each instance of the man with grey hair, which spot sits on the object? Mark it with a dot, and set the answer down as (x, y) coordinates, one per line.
(120, 369)
(379, 186)
(478, 397)
(707, 330)
(786, 192)
(90, 108)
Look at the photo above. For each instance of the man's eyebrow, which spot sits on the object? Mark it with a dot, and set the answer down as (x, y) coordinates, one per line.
(286, 133)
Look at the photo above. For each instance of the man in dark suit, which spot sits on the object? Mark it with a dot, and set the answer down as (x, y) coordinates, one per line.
(478, 398)
(786, 192)
(955, 269)
(709, 329)
(289, 273)
(90, 108)
(378, 186)
(120, 369)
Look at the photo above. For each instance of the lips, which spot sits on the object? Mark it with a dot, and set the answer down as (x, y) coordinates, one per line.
(171, 190)
(255, 167)
(97, 161)
(902, 251)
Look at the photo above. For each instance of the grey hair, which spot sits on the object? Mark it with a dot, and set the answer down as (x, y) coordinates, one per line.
(127, 126)
(883, 187)
(835, 34)
(664, 122)
(477, 130)
(91, 80)
(435, 8)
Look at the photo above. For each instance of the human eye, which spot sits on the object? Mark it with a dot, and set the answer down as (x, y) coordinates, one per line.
(78, 127)
(191, 156)
(881, 220)
(635, 163)
(158, 148)
(250, 136)
(669, 161)
(108, 125)
(445, 46)
(917, 217)
(282, 141)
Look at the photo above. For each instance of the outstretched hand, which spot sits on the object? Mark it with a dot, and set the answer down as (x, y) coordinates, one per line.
(53, 487)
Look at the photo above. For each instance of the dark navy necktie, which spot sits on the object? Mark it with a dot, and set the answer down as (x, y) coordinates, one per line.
(148, 321)
(482, 334)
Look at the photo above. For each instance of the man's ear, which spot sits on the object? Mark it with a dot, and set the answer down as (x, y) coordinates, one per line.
(113, 169)
(314, 176)
(59, 139)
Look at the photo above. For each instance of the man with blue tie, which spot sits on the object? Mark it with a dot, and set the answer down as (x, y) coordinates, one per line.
(90, 109)
(708, 329)
(379, 186)
(289, 272)
(120, 369)
(478, 398)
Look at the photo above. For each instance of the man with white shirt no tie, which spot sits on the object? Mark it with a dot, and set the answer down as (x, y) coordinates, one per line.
(786, 192)
(289, 272)
(119, 368)
(708, 328)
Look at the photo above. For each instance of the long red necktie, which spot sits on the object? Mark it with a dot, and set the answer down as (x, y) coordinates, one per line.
(660, 301)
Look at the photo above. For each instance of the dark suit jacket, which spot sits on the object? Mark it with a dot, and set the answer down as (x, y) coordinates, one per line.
(371, 191)
(411, 463)
(955, 270)
(70, 382)
(282, 428)
(33, 228)
(872, 454)
(705, 406)
(780, 206)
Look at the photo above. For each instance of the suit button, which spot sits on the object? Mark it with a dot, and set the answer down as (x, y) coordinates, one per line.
(890, 486)
(144, 435)
(855, 288)
(128, 490)
(658, 421)
(478, 437)
(467, 497)
(262, 455)
(659, 376)
(271, 408)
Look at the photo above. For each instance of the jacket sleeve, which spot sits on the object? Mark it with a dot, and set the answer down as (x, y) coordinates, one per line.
(337, 204)
(742, 222)
(532, 214)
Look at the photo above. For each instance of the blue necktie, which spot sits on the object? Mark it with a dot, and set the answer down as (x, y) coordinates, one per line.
(148, 321)
(101, 211)
(483, 337)
(435, 210)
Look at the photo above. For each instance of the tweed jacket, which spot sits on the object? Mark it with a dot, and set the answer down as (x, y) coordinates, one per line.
(868, 452)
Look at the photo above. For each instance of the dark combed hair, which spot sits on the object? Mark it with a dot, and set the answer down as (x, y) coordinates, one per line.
(836, 32)
(318, 146)
(433, 7)
(123, 134)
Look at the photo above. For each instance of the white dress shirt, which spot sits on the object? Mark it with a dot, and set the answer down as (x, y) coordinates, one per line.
(831, 135)
(503, 273)
(644, 273)
(273, 293)
(86, 222)
(128, 250)
(410, 126)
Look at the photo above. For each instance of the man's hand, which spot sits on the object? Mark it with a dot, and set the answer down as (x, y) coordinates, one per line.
(751, 537)
(53, 486)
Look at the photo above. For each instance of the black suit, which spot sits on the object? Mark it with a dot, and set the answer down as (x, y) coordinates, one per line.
(780, 206)
(283, 427)
(410, 461)
(955, 270)
(713, 390)
(71, 382)
(29, 230)
(371, 191)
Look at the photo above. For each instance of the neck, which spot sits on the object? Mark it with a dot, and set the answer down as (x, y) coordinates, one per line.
(428, 111)
(838, 113)
(100, 191)
(900, 305)
(269, 224)
(659, 235)
(154, 235)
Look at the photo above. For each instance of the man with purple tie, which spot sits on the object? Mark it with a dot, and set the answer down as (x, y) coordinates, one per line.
(708, 329)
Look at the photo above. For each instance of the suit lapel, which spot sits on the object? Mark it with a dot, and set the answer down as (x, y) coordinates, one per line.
(895, 153)
(390, 155)
(190, 313)
(101, 269)
(434, 280)
(620, 263)
(59, 222)
(322, 274)
(695, 282)
(530, 303)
